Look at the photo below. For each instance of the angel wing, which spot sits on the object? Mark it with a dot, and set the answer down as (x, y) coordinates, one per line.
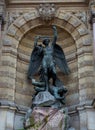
(60, 59)
(35, 60)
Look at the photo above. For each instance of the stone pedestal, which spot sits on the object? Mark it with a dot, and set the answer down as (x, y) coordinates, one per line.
(46, 118)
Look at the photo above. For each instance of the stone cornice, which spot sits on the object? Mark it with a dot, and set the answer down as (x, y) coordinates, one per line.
(45, 1)
(58, 2)
(8, 105)
(22, 110)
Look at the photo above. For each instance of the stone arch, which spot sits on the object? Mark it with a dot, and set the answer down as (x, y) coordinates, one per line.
(30, 20)
(65, 20)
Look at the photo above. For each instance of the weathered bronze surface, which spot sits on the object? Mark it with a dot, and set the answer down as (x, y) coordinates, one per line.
(50, 91)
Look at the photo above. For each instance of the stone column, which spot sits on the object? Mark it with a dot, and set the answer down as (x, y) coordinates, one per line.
(92, 21)
(87, 117)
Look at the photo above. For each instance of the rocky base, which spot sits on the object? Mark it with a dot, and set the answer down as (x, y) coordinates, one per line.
(47, 118)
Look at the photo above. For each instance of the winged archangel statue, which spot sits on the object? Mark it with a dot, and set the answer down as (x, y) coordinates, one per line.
(44, 58)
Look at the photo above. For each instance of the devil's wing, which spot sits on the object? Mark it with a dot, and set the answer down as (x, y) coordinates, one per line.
(35, 60)
(60, 59)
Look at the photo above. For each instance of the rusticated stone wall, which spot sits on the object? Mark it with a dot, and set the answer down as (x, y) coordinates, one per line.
(74, 37)
(76, 41)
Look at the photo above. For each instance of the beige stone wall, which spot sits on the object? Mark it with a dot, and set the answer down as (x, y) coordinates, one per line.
(74, 36)
(76, 42)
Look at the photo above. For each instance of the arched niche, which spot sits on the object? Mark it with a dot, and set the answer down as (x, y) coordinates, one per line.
(74, 39)
(25, 48)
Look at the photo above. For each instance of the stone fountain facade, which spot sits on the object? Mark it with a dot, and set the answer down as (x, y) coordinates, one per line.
(20, 21)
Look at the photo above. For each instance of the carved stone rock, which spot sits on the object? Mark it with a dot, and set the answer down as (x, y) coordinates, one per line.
(43, 99)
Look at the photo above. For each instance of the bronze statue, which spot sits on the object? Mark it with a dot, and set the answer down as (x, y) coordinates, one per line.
(45, 57)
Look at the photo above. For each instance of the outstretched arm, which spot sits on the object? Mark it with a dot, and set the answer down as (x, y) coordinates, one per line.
(55, 35)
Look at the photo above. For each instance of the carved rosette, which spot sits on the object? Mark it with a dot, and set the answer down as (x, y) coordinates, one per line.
(47, 11)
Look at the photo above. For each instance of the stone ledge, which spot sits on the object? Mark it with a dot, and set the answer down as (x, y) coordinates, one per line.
(4, 104)
(80, 108)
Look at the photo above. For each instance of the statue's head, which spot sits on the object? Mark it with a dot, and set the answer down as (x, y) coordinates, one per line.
(46, 41)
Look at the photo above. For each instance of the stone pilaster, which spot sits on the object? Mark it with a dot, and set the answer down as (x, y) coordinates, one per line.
(87, 116)
(92, 21)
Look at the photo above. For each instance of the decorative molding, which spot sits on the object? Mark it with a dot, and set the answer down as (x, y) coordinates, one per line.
(12, 106)
(45, 1)
(82, 15)
(84, 107)
(22, 109)
(12, 16)
(47, 11)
